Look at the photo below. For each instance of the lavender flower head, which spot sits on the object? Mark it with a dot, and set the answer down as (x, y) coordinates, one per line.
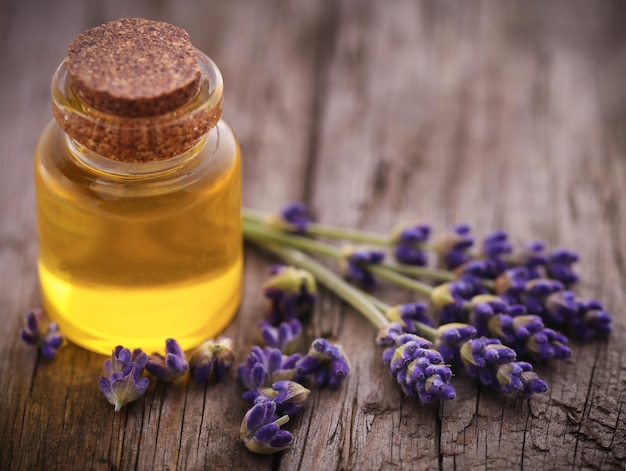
(512, 282)
(295, 217)
(327, 363)
(496, 244)
(527, 335)
(171, 366)
(450, 299)
(409, 316)
(453, 246)
(449, 339)
(532, 258)
(409, 244)
(419, 370)
(260, 429)
(212, 360)
(559, 266)
(356, 261)
(124, 383)
(285, 337)
(592, 320)
(265, 366)
(289, 396)
(37, 331)
(496, 366)
(291, 292)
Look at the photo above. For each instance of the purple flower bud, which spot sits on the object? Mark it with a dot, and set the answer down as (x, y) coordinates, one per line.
(292, 293)
(512, 282)
(419, 370)
(409, 316)
(449, 339)
(327, 363)
(532, 257)
(591, 320)
(289, 396)
(212, 360)
(124, 383)
(559, 266)
(295, 217)
(265, 366)
(495, 246)
(356, 261)
(285, 337)
(453, 246)
(170, 367)
(496, 366)
(409, 244)
(260, 429)
(450, 299)
(387, 335)
(487, 268)
(37, 331)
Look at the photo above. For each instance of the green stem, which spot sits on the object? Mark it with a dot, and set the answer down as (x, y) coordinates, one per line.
(425, 272)
(331, 232)
(403, 281)
(259, 231)
(344, 290)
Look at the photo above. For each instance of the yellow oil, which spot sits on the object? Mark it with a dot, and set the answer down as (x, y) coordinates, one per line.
(127, 259)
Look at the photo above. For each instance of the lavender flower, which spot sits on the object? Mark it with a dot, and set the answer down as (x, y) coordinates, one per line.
(527, 335)
(591, 320)
(265, 366)
(357, 260)
(212, 360)
(486, 268)
(285, 337)
(449, 339)
(559, 266)
(289, 396)
(453, 246)
(409, 316)
(496, 244)
(419, 369)
(170, 367)
(327, 363)
(494, 364)
(291, 292)
(260, 429)
(295, 217)
(512, 282)
(37, 331)
(450, 299)
(388, 335)
(409, 244)
(532, 257)
(124, 383)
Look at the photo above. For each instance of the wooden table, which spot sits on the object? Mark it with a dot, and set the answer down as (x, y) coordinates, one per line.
(501, 114)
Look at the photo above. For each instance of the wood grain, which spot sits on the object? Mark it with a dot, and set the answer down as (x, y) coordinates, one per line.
(504, 115)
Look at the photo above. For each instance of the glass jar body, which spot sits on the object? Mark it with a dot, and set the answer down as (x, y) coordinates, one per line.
(134, 253)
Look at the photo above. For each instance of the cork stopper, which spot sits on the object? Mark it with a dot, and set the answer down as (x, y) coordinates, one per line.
(136, 90)
(134, 67)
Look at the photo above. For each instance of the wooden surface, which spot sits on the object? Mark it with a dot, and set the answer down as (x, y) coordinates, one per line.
(502, 114)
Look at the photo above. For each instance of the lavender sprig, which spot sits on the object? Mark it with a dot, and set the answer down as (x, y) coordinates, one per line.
(326, 363)
(291, 293)
(124, 383)
(212, 360)
(169, 367)
(260, 429)
(38, 332)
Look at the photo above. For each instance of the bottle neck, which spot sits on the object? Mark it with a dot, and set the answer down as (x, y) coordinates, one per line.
(103, 166)
(101, 139)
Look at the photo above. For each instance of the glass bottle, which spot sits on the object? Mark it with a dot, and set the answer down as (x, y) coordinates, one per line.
(138, 183)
